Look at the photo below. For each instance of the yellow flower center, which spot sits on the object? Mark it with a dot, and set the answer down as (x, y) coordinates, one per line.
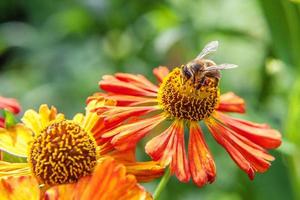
(180, 98)
(62, 153)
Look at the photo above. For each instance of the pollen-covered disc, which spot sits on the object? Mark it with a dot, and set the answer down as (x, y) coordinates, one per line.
(62, 153)
(180, 99)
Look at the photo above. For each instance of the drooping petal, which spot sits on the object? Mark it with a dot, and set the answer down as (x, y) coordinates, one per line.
(160, 72)
(160, 148)
(179, 164)
(108, 181)
(201, 162)
(10, 104)
(13, 169)
(19, 188)
(39, 121)
(229, 102)
(15, 139)
(249, 156)
(261, 134)
(168, 148)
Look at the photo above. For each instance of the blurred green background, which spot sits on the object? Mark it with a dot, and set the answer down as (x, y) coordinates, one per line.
(55, 52)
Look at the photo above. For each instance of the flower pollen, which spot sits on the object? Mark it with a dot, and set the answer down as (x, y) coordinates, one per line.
(180, 99)
(62, 153)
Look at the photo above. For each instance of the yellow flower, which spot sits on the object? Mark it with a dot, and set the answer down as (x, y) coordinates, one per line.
(61, 151)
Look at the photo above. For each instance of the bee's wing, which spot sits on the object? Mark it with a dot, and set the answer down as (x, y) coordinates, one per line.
(220, 67)
(209, 48)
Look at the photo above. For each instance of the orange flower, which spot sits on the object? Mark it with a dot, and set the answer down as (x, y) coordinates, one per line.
(61, 151)
(142, 106)
(8, 104)
(108, 181)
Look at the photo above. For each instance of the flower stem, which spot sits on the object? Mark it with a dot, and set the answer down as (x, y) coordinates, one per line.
(162, 184)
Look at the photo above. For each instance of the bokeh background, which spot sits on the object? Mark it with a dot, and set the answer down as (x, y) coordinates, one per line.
(55, 52)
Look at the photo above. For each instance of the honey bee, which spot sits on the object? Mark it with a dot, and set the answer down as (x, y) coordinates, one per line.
(200, 68)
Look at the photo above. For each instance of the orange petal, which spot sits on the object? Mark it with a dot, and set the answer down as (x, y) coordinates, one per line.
(123, 156)
(250, 157)
(10, 104)
(259, 134)
(129, 100)
(121, 99)
(108, 181)
(19, 188)
(144, 171)
(116, 115)
(126, 136)
(233, 152)
(113, 85)
(127, 139)
(160, 72)
(229, 102)
(15, 140)
(160, 148)
(202, 165)
(138, 80)
(179, 164)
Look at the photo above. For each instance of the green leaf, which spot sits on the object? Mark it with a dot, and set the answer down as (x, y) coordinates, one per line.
(292, 134)
(10, 119)
(283, 18)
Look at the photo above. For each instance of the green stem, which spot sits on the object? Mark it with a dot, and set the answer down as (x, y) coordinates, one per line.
(162, 184)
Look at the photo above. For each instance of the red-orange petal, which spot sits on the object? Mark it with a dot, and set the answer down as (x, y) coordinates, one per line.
(2, 122)
(116, 115)
(262, 135)
(179, 164)
(160, 148)
(229, 102)
(169, 148)
(144, 171)
(116, 86)
(201, 162)
(126, 136)
(160, 72)
(10, 104)
(239, 159)
(108, 181)
(129, 100)
(138, 80)
(249, 156)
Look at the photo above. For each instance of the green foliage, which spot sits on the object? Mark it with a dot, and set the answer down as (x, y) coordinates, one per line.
(292, 134)
(10, 119)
